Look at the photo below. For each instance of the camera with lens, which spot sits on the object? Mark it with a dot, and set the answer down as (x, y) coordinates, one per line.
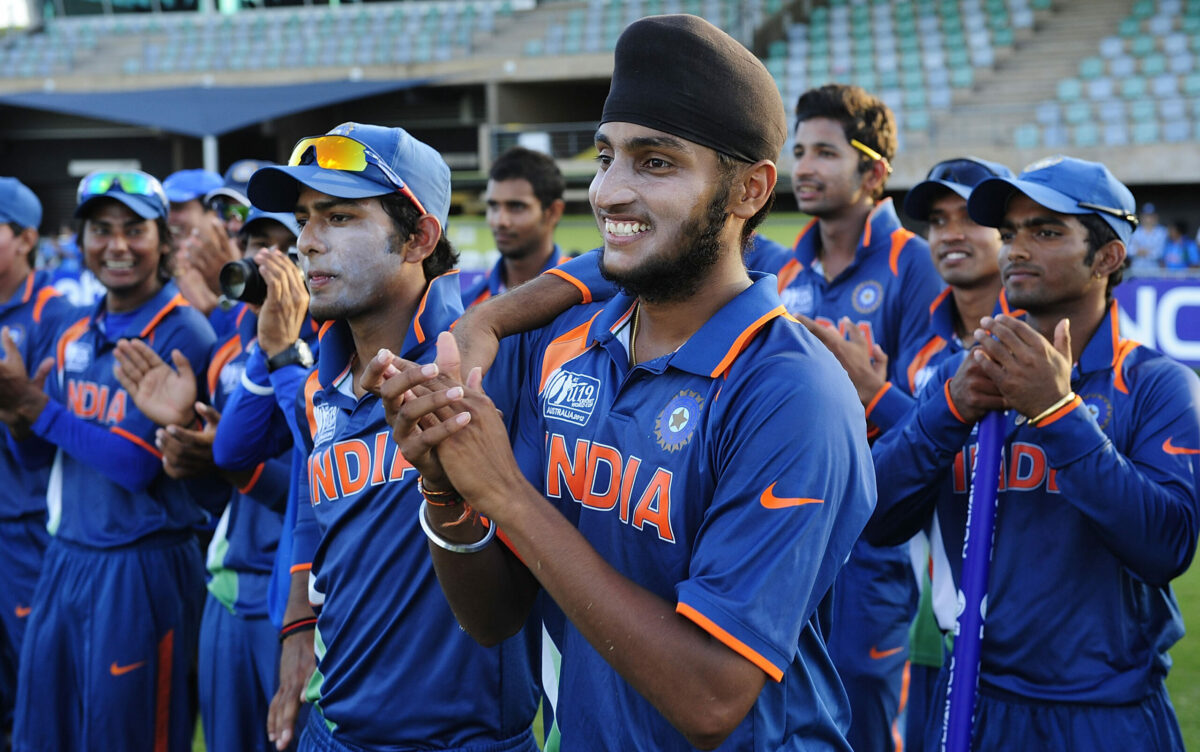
(241, 280)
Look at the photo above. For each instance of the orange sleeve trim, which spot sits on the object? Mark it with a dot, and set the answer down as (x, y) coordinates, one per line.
(225, 353)
(482, 297)
(565, 347)
(731, 642)
(29, 288)
(583, 289)
(744, 338)
(804, 231)
(1125, 347)
(878, 396)
(417, 330)
(1114, 324)
(789, 272)
(44, 295)
(310, 388)
(899, 239)
(950, 402)
(73, 332)
(176, 302)
(136, 440)
(300, 568)
(938, 300)
(250, 484)
(1060, 412)
(325, 326)
(922, 358)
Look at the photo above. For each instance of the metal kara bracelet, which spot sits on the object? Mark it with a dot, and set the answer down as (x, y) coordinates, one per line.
(456, 548)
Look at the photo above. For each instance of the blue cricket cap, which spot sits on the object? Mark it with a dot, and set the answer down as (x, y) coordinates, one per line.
(139, 191)
(18, 204)
(959, 175)
(419, 166)
(287, 219)
(236, 178)
(189, 185)
(1062, 184)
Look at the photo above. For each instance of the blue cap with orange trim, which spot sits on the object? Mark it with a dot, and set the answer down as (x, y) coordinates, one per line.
(18, 204)
(959, 175)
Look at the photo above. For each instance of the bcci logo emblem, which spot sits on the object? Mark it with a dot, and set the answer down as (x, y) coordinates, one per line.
(799, 301)
(325, 417)
(1099, 407)
(678, 420)
(867, 296)
(570, 396)
(77, 356)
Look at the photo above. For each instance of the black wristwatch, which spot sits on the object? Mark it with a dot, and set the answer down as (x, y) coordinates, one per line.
(298, 353)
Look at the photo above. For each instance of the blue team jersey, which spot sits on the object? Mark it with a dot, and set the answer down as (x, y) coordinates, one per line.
(694, 475)
(242, 551)
(493, 284)
(886, 291)
(1097, 511)
(394, 670)
(34, 315)
(97, 426)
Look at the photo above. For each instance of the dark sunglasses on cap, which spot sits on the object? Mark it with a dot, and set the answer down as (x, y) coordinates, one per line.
(343, 153)
(966, 172)
(133, 183)
(1118, 213)
(226, 208)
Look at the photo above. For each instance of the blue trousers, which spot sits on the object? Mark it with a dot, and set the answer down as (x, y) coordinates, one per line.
(109, 648)
(1008, 723)
(874, 602)
(23, 544)
(239, 673)
(318, 738)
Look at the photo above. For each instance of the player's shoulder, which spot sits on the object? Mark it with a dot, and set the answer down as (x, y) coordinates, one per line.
(1140, 368)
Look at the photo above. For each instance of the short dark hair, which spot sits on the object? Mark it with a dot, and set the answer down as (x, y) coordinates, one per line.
(519, 163)
(727, 168)
(1099, 234)
(404, 216)
(864, 118)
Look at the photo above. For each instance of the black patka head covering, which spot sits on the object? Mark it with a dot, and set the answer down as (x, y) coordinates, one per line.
(684, 76)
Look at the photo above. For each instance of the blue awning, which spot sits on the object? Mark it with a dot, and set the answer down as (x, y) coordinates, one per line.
(205, 111)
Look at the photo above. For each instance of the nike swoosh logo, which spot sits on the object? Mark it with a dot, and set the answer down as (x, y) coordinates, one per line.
(1170, 448)
(771, 501)
(116, 670)
(877, 654)
(23, 611)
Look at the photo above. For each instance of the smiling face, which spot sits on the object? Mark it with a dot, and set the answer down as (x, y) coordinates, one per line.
(826, 176)
(353, 259)
(661, 205)
(1044, 263)
(966, 254)
(124, 252)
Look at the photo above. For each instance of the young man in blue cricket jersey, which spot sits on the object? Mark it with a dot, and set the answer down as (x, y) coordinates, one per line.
(32, 312)
(676, 510)
(394, 672)
(238, 675)
(111, 638)
(524, 204)
(1098, 507)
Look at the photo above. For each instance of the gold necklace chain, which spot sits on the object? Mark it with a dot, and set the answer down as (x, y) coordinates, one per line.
(633, 329)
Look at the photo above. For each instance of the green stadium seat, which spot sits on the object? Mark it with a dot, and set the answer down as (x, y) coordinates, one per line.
(917, 120)
(1133, 87)
(866, 80)
(1077, 113)
(1085, 135)
(1143, 9)
(1003, 37)
(1142, 110)
(915, 99)
(1146, 133)
(1130, 27)
(1154, 65)
(1070, 90)
(1091, 67)
(1027, 136)
(962, 77)
(912, 79)
(1142, 46)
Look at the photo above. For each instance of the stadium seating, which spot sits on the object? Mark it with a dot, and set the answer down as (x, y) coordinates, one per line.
(1143, 83)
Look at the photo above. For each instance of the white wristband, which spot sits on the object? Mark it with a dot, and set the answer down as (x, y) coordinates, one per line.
(456, 548)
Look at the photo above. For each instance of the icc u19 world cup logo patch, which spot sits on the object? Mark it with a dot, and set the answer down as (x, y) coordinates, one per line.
(678, 420)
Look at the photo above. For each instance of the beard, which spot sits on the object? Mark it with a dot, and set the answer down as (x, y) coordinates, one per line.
(670, 277)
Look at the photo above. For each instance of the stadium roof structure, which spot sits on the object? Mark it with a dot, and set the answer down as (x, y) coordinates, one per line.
(205, 110)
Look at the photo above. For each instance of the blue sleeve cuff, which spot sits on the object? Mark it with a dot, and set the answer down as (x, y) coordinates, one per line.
(1072, 436)
(943, 429)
